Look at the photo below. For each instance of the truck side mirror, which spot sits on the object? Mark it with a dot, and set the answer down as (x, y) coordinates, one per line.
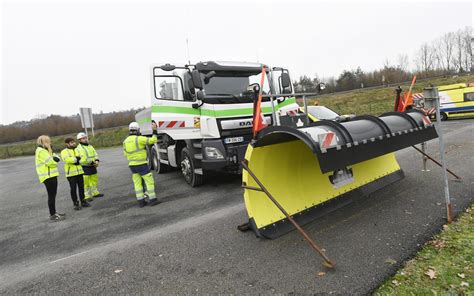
(285, 80)
(196, 77)
(200, 95)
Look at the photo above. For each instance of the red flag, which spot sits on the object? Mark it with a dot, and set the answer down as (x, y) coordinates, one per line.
(258, 119)
(408, 99)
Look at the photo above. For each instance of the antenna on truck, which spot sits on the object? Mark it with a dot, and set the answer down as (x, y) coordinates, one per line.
(187, 51)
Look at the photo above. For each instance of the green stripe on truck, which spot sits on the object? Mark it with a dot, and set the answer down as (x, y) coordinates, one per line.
(216, 113)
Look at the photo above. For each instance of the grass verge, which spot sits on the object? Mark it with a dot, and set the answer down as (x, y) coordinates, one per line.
(444, 266)
(377, 101)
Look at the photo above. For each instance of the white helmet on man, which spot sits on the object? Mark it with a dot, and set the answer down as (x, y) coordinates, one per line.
(81, 135)
(133, 126)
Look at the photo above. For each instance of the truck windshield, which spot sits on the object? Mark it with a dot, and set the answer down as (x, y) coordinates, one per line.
(232, 83)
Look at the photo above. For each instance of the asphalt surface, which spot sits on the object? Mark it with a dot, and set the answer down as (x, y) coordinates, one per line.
(189, 244)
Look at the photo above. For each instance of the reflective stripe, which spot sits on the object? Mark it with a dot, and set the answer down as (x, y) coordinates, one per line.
(147, 141)
(135, 160)
(48, 174)
(136, 145)
(87, 154)
(44, 162)
(75, 171)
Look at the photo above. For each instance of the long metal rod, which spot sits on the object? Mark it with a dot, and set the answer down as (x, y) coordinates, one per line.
(435, 161)
(252, 188)
(328, 262)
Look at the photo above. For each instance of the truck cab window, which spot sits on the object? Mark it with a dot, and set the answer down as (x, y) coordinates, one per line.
(168, 88)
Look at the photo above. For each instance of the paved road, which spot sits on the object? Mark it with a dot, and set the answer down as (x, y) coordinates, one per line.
(189, 243)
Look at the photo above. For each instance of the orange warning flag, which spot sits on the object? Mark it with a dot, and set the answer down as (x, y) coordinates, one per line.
(258, 119)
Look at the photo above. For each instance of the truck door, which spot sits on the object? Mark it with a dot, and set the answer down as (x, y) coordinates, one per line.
(172, 105)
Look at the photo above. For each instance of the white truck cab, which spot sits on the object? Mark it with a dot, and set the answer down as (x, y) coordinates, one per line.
(204, 114)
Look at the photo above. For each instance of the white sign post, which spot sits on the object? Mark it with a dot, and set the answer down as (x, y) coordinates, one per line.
(87, 121)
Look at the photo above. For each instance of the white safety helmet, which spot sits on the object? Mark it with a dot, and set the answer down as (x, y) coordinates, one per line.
(133, 126)
(81, 135)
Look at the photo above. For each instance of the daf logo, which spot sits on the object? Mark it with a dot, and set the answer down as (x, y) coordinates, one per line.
(245, 123)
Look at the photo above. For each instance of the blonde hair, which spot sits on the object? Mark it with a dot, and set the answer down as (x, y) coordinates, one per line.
(45, 142)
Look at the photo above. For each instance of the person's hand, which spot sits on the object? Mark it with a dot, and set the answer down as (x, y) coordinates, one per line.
(154, 126)
(96, 163)
(78, 159)
(56, 159)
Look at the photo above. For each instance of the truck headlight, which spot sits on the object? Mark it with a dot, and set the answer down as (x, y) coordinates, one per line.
(213, 153)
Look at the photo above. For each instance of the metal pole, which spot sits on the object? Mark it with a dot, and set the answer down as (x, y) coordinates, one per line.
(275, 120)
(305, 104)
(327, 262)
(449, 209)
(425, 159)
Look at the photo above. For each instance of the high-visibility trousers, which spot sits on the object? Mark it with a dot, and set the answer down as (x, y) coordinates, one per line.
(149, 183)
(142, 174)
(91, 183)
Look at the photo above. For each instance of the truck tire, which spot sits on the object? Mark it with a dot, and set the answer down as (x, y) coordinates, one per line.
(159, 167)
(444, 116)
(149, 157)
(187, 168)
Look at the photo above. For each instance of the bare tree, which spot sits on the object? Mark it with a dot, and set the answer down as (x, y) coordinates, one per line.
(403, 62)
(467, 48)
(425, 58)
(459, 51)
(445, 48)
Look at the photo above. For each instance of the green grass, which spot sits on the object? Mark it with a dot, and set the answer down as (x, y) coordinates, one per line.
(449, 256)
(377, 101)
(105, 138)
(361, 101)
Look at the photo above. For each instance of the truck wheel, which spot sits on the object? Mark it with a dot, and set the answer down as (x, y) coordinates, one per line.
(444, 116)
(159, 167)
(149, 158)
(187, 168)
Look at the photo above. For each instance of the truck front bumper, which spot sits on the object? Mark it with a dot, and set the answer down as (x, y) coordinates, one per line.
(233, 154)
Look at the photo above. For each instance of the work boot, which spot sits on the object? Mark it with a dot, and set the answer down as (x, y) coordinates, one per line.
(77, 207)
(153, 202)
(62, 215)
(142, 203)
(88, 199)
(99, 195)
(85, 204)
(56, 217)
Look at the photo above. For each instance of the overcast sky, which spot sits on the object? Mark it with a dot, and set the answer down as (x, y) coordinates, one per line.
(58, 56)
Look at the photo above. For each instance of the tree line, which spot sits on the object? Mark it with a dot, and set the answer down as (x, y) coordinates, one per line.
(56, 125)
(449, 54)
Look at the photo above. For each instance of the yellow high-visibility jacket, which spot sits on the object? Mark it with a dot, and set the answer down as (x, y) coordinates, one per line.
(134, 148)
(87, 154)
(71, 166)
(46, 167)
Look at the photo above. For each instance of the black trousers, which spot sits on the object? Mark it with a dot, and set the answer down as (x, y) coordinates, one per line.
(52, 188)
(74, 183)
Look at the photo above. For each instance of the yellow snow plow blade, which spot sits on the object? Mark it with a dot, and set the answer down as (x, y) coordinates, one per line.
(309, 179)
